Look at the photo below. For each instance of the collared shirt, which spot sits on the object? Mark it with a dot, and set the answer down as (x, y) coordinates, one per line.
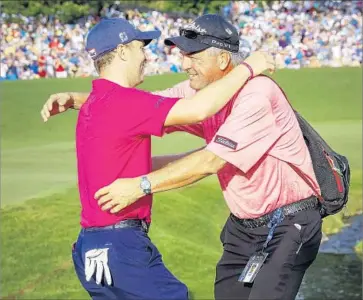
(113, 141)
(257, 139)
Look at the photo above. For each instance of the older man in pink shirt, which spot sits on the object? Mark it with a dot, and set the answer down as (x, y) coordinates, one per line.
(256, 147)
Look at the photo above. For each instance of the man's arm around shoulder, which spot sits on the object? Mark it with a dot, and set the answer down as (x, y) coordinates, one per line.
(185, 171)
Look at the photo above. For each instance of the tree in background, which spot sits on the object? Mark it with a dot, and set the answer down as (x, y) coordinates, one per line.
(69, 11)
(65, 10)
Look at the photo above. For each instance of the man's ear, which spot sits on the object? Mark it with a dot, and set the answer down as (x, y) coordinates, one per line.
(121, 52)
(224, 59)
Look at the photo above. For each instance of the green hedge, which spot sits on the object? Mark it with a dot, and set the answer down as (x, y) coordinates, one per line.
(69, 11)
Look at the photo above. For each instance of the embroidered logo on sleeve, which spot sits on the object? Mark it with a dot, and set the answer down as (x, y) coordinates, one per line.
(225, 142)
(159, 102)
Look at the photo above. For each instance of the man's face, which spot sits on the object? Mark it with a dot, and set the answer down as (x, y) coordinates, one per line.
(202, 68)
(136, 61)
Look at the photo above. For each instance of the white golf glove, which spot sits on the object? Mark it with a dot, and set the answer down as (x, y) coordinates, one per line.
(97, 262)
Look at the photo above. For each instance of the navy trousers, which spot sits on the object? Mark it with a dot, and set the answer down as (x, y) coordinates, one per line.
(136, 266)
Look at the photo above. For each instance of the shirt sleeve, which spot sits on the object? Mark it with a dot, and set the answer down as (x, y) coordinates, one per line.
(194, 129)
(150, 112)
(182, 90)
(179, 90)
(248, 133)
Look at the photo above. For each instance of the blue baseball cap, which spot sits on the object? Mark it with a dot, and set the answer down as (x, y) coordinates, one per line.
(111, 32)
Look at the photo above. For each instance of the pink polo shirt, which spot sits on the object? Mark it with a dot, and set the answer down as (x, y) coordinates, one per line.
(113, 141)
(257, 139)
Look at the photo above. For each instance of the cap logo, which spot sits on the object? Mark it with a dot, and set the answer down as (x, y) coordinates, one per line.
(195, 27)
(229, 31)
(123, 37)
(92, 52)
(224, 45)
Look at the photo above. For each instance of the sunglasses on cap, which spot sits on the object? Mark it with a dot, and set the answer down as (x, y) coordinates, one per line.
(190, 34)
(208, 39)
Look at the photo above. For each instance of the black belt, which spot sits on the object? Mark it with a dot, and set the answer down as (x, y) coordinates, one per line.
(287, 210)
(122, 224)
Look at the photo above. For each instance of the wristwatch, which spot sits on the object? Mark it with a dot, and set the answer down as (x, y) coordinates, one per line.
(145, 185)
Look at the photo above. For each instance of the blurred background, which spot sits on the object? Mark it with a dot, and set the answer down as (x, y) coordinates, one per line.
(45, 39)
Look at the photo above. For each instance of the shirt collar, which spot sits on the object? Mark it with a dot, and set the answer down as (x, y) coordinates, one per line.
(105, 84)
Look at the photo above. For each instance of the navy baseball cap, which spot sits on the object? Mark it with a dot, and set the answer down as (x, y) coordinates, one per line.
(206, 31)
(111, 32)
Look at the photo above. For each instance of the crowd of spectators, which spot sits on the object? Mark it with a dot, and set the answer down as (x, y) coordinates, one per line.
(299, 33)
(302, 33)
(44, 48)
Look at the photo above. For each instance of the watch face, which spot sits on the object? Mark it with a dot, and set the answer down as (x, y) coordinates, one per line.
(145, 185)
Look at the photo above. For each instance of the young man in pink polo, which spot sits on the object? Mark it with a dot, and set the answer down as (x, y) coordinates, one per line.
(273, 233)
(113, 256)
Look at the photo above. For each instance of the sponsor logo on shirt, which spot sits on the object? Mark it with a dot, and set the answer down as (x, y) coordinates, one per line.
(225, 142)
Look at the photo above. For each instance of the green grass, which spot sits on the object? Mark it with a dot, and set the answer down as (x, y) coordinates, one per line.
(38, 165)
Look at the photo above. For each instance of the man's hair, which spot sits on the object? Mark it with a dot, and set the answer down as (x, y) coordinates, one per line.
(236, 58)
(104, 60)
